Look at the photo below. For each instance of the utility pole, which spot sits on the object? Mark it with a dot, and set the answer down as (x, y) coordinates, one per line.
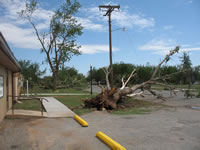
(109, 10)
(27, 88)
(91, 79)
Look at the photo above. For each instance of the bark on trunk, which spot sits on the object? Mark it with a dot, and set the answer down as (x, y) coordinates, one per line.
(107, 99)
(55, 76)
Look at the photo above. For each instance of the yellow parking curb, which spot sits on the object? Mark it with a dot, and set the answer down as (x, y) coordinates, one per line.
(81, 121)
(110, 142)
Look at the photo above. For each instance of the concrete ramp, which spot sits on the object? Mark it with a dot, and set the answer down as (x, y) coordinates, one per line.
(56, 109)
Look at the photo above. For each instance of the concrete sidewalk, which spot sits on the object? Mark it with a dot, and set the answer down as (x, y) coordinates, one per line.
(56, 109)
(55, 94)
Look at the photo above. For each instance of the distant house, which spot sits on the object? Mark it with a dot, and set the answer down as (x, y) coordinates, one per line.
(10, 77)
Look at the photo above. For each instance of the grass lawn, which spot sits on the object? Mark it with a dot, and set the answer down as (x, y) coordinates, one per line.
(32, 104)
(37, 89)
(134, 106)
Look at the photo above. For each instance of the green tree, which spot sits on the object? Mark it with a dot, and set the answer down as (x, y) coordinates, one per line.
(196, 73)
(186, 62)
(186, 65)
(31, 71)
(46, 82)
(165, 70)
(98, 75)
(187, 76)
(121, 70)
(59, 41)
(144, 73)
(69, 77)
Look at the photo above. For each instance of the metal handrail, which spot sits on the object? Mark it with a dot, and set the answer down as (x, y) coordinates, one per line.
(37, 98)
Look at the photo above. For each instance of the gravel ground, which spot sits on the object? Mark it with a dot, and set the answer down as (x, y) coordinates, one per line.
(171, 128)
(171, 100)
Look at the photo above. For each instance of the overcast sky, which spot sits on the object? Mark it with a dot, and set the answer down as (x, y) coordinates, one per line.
(152, 28)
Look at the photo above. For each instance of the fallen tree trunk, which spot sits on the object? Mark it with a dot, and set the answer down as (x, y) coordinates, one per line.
(109, 98)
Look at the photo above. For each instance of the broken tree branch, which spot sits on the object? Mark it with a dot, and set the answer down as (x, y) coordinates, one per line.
(165, 60)
(131, 75)
(107, 72)
(136, 94)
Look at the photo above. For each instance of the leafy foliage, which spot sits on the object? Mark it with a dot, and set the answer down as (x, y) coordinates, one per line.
(170, 70)
(121, 70)
(67, 78)
(97, 74)
(196, 73)
(186, 62)
(31, 71)
(144, 73)
(47, 82)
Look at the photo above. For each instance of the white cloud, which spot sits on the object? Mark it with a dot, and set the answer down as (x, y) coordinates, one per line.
(43, 14)
(162, 47)
(92, 49)
(18, 37)
(12, 7)
(42, 26)
(88, 24)
(168, 27)
(17, 30)
(191, 49)
(122, 18)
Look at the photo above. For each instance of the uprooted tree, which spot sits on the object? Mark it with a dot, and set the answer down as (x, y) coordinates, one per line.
(110, 97)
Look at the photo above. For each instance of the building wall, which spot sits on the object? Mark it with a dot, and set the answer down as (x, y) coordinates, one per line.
(10, 91)
(17, 84)
(3, 103)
